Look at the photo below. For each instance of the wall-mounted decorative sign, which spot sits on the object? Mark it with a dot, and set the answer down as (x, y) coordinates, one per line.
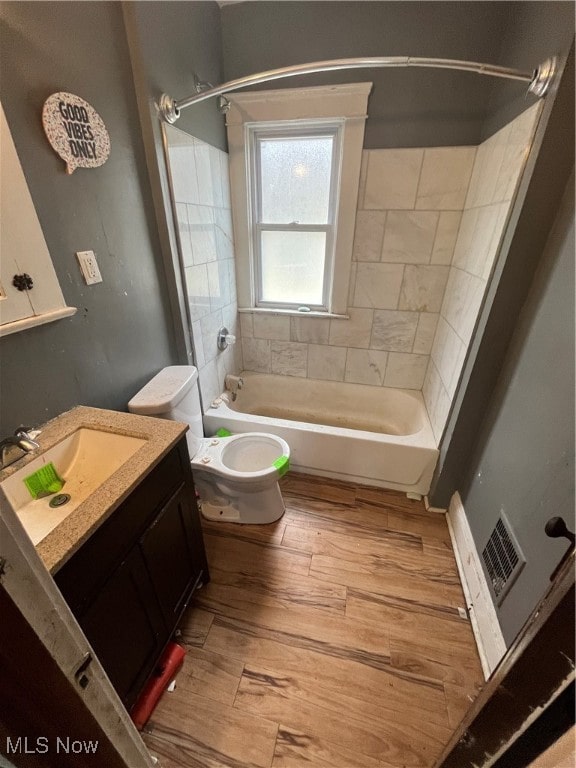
(76, 131)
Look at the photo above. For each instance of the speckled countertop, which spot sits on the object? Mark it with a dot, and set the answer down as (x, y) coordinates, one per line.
(160, 435)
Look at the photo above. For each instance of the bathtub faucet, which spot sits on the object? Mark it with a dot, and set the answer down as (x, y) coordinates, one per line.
(233, 384)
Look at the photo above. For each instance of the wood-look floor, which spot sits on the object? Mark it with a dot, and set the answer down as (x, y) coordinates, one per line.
(330, 639)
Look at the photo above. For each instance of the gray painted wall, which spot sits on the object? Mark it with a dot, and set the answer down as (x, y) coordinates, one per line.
(178, 39)
(408, 107)
(524, 464)
(538, 31)
(122, 332)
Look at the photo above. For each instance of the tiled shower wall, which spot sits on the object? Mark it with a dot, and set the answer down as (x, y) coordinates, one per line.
(497, 168)
(409, 209)
(428, 226)
(202, 195)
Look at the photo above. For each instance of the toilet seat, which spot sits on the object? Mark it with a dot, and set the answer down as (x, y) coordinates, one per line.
(244, 459)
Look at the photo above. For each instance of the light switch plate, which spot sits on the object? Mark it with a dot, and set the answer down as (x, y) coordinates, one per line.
(89, 267)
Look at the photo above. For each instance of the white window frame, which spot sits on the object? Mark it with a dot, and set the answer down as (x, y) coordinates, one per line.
(344, 106)
(289, 129)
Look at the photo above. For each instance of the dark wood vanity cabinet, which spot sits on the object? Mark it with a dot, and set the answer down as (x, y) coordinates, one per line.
(130, 582)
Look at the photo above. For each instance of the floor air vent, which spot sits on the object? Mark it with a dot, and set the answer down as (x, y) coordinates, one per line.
(503, 558)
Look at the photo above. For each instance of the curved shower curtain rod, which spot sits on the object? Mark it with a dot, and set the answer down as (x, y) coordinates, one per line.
(539, 80)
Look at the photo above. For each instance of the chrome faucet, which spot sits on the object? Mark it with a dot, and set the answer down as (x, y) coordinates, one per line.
(15, 446)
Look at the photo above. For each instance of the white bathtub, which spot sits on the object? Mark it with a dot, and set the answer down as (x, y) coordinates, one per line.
(368, 435)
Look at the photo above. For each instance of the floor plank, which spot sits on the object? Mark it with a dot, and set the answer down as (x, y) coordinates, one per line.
(370, 678)
(211, 675)
(296, 748)
(299, 702)
(329, 639)
(225, 734)
(194, 627)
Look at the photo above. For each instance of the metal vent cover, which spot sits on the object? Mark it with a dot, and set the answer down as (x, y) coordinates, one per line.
(503, 558)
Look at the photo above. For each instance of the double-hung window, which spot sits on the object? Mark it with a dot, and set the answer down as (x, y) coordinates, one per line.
(294, 195)
(295, 157)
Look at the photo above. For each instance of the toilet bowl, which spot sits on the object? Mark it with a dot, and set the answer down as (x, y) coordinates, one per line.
(236, 477)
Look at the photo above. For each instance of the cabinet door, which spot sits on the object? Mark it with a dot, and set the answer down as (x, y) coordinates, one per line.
(125, 627)
(173, 551)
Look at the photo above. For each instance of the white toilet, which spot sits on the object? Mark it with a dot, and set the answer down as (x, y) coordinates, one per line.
(236, 477)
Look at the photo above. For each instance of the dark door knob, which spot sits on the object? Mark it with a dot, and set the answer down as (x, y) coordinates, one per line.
(556, 528)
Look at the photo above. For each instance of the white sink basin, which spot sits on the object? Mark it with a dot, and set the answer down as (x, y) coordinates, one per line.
(84, 460)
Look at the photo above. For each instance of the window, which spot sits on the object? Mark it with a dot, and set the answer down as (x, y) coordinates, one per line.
(294, 170)
(294, 194)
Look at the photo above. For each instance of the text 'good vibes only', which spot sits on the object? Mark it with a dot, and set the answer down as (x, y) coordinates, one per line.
(77, 125)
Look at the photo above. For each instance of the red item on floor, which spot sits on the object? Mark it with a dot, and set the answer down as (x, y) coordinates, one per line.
(168, 666)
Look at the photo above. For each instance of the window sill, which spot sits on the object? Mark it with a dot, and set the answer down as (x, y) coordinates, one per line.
(290, 313)
(33, 320)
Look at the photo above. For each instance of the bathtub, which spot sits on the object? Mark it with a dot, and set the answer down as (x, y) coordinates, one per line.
(367, 435)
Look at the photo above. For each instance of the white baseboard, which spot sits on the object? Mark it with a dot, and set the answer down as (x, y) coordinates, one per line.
(483, 617)
(430, 508)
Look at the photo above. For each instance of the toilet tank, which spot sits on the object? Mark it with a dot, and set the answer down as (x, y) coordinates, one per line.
(173, 394)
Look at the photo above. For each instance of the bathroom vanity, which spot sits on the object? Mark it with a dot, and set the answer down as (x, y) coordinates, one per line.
(129, 557)
(129, 584)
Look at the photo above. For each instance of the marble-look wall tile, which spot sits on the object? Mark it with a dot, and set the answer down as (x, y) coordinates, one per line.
(231, 320)
(205, 233)
(368, 235)
(224, 233)
(363, 174)
(352, 283)
(209, 385)
(423, 288)
(216, 177)
(272, 327)
(183, 167)
(218, 284)
(437, 400)
(446, 237)
(405, 371)
(445, 177)
(210, 325)
(425, 331)
(394, 331)
(516, 151)
(378, 285)
(447, 353)
(184, 234)
(479, 238)
(256, 355)
(199, 357)
(314, 330)
(366, 366)
(409, 236)
(354, 332)
(204, 173)
(198, 291)
(289, 358)
(326, 362)
(392, 178)
(246, 325)
(486, 170)
(225, 179)
(202, 234)
(225, 364)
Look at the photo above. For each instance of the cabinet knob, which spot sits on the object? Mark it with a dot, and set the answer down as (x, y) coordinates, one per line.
(22, 282)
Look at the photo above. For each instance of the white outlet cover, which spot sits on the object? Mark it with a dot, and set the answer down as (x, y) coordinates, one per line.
(89, 267)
